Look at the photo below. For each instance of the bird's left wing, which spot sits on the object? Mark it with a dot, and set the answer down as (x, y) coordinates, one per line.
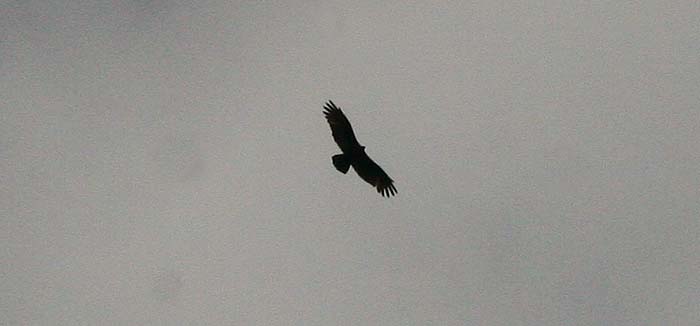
(340, 127)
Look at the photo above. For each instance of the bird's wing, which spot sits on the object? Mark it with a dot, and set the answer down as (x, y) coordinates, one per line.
(374, 175)
(340, 127)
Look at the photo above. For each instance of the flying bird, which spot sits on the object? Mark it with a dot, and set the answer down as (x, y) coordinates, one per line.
(354, 154)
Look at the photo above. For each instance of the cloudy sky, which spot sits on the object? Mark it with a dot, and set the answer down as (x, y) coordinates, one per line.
(167, 163)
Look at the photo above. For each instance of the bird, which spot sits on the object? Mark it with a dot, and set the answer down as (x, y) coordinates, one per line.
(354, 154)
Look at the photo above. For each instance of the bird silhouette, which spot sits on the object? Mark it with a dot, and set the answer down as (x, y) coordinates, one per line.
(354, 154)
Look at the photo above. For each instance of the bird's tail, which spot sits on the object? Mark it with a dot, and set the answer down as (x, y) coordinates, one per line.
(341, 162)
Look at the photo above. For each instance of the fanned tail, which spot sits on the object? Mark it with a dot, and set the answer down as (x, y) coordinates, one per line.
(341, 163)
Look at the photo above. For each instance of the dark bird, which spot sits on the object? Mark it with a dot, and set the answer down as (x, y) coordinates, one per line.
(354, 154)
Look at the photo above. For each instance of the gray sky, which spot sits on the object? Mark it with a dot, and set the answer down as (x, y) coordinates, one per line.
(163, 162)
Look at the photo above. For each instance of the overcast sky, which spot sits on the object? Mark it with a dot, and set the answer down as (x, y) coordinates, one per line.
(167, 163)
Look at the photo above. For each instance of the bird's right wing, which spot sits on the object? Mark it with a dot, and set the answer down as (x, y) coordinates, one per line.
(340, 127)
(375, 175)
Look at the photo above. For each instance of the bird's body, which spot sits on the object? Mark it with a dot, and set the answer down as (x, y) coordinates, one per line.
(354, 154)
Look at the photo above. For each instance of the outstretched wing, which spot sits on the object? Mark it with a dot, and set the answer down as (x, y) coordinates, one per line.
(374, 175)
(340, 127)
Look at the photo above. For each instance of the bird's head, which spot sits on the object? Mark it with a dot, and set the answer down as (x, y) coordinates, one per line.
(362, 148)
